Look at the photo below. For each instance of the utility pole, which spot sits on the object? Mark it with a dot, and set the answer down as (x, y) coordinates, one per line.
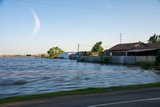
(78, 55)
(120, 38)
(78, 48)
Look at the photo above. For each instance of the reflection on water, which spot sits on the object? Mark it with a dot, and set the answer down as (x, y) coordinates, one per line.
(28, 75)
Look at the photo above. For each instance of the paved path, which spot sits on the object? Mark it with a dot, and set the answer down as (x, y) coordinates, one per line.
(149, 97)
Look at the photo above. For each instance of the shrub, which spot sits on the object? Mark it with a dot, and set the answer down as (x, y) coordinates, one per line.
(97, 47)
(146, 64)
(105, 59)
(157, 62)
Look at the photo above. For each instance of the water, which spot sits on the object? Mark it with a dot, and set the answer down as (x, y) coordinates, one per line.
(29, 75)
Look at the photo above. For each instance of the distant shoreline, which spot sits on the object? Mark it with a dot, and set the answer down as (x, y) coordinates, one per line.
(11, 55)
(24, 55)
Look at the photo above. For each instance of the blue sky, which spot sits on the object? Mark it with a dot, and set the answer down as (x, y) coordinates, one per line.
(65, 23)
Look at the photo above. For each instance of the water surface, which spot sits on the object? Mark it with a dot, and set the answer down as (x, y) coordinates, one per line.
(29, 75)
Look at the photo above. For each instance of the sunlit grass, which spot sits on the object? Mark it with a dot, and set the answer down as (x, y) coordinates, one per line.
(73, 92)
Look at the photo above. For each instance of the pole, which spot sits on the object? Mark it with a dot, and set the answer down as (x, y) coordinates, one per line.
(120, 38)
(78, 48)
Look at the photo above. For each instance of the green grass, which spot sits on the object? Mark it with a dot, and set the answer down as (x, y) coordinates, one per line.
(79, 91)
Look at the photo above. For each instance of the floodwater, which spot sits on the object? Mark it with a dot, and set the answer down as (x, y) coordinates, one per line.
(29, 75)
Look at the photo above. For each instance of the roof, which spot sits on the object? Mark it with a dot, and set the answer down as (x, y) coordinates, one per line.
(128, 46)
(153, 45)
(142, 50)
(149, 47)
(135, 47)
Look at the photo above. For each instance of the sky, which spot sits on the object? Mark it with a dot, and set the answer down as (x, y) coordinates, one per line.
(34, 26)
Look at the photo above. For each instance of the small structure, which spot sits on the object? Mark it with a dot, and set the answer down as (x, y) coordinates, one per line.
(122, 49)
(81, 54)
(150, 49)
(65, 55)
(75, 56)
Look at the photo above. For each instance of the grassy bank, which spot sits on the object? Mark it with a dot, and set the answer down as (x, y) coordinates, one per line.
(79, 91)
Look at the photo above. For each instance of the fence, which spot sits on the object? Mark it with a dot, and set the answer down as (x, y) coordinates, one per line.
(130, 59)
(118, 59)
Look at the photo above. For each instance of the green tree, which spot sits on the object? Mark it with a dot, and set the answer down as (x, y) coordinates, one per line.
(154, 39)
(54, 52)
(97, 47)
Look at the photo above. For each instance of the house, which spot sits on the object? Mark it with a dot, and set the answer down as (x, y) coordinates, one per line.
(122, 49)
(151, 49)
(131, 53)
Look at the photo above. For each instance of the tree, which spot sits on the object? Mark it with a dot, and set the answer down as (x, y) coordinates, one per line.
(154, 39)
(55, 52)
(97, 47)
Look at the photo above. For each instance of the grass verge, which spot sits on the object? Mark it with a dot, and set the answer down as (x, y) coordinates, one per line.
(79, 91)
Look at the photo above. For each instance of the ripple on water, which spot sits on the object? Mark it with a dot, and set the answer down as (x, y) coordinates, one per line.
(23, 75)
(13, 82)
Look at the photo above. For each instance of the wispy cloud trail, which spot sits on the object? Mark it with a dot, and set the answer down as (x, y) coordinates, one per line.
(37, 22)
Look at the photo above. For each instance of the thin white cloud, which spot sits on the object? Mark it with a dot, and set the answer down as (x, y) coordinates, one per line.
(37, 22)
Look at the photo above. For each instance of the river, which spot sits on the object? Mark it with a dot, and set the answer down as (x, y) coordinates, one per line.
(29, 75)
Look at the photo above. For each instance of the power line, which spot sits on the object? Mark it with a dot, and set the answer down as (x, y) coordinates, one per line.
(86, 45)
(59, 5)
(80, 45)
(81, 7)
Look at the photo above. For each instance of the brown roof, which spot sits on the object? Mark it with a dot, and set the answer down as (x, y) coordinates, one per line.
(128, 46)
(153, 45)
(149, 47)
(137, 46)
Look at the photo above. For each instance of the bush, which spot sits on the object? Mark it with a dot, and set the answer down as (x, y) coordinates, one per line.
(91, 54)
(105, 59)
(97, 47)
(157, 67)
(146, 64)
(157, 62)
